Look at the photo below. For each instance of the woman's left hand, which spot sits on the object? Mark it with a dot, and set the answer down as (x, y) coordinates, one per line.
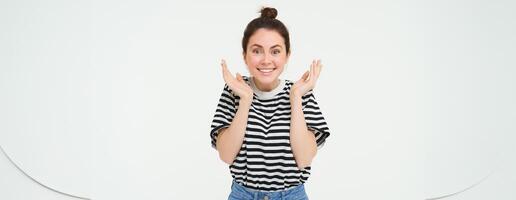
(307, 81)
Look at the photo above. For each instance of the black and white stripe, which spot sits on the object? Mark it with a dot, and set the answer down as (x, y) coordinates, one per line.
(265, 160)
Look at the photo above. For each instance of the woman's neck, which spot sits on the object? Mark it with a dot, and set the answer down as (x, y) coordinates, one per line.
(266, 87)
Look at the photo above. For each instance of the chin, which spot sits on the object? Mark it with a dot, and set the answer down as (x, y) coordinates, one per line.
(266, 79)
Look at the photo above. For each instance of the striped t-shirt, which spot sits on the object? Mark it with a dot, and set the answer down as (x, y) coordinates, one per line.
(265, 161)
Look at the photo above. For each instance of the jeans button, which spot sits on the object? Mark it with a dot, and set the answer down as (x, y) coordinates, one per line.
(265, 198)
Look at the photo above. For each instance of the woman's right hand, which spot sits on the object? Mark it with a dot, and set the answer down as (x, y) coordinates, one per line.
(237, 84)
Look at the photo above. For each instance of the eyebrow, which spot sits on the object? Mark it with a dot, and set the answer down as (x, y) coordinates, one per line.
(262, 46)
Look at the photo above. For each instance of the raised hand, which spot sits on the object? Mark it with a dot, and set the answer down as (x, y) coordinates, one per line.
(308, 80)
(237, 84)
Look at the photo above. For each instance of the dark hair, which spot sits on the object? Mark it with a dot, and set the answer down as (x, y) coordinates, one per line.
(266, 20)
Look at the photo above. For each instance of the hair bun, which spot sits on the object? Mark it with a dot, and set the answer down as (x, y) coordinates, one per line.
(268, 12)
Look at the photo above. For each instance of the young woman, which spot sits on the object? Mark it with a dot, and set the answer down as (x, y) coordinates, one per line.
(267, 129)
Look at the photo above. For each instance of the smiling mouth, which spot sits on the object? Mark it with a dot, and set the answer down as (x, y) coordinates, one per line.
(266, 70)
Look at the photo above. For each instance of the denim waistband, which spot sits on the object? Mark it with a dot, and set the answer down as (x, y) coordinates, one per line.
(235, 186)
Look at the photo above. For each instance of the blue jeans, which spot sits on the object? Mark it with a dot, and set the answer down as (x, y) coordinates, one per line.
(239, 192)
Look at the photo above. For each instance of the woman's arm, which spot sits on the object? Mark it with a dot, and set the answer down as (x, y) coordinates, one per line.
(230, 139)
(302, 140)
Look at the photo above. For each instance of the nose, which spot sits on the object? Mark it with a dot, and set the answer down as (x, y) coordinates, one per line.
(267, 58)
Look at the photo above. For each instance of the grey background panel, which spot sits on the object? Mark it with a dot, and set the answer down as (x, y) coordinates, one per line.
(419, 96)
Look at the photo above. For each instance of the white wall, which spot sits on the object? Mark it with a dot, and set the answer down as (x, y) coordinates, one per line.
(419, 96)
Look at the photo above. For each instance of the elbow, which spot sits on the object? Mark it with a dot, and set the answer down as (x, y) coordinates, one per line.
(306, 161)
(304, 164)
(227, 159)
(223, 155)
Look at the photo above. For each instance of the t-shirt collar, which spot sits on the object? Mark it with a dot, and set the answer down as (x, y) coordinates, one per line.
(267, 94)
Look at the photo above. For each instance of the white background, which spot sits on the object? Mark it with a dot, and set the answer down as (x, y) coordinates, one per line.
(114, 99)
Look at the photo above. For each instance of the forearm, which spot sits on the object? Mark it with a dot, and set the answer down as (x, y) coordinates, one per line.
(302, 140)
(230, 139)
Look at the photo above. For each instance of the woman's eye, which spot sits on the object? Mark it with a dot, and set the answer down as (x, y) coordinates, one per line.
(275, 51)
(256, 51)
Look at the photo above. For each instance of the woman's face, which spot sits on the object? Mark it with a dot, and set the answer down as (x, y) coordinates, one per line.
(266, 56)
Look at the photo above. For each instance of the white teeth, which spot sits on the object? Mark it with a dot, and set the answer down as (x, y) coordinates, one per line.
(266, 70)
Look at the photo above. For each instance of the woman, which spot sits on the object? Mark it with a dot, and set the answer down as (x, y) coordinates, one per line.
(268, 129)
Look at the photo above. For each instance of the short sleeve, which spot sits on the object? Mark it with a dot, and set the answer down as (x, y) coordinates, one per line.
(314, 119)
(223, 114)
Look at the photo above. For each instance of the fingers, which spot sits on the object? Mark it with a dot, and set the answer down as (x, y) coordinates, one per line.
(239, 77)
(316, 67)
(231, 80)
(305, 76)
(226, 74)
(224, 70)
(223, 63)
(312, 70)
